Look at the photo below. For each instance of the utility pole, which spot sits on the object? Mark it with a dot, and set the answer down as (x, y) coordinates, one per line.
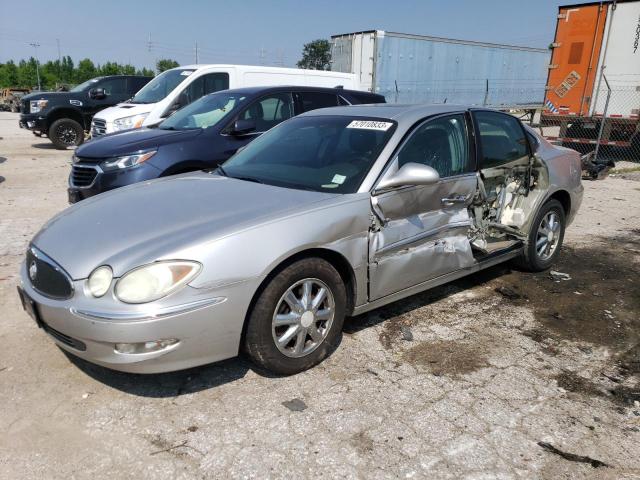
(35, 45)
(59, 58)
(196, 52)
(263, 53)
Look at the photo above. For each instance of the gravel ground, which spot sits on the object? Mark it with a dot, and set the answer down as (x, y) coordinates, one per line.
(500, 375)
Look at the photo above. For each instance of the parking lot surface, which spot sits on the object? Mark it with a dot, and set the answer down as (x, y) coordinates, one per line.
(503, 374)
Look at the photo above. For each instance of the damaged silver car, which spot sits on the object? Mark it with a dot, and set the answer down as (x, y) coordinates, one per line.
(330, 214)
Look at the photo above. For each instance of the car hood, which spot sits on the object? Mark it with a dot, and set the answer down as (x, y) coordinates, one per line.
(149, 221)
(124, 110)
(131, 141)
(56, 98)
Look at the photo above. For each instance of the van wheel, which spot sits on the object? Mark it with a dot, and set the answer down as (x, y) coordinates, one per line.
(297, 320)
(545, 238)
(65, 133)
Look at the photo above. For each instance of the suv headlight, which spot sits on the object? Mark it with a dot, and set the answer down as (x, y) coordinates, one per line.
(127, 123)
(36, 106)
(154, 281)
(127, 161)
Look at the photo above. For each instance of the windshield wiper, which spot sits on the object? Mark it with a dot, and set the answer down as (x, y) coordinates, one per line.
(248, 179)
(221, 171)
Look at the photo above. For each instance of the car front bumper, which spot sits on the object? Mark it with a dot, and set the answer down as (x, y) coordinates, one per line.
(208, 328)
(34, 122)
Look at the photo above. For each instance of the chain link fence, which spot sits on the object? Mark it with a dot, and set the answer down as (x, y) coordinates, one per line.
(608, 133)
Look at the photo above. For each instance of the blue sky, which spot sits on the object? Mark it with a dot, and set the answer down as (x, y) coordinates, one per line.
(251, 31)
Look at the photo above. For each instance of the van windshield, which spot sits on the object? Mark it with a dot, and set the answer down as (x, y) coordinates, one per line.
(161, 86)
(204, 112)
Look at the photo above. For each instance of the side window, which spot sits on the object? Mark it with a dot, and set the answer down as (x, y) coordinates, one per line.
(214, 82)
(195, 90)
(502, 138)
(313, 100)
(269, 111)
(114, 86)
(441, 143)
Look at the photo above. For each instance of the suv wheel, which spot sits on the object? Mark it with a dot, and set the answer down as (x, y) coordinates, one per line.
(545, 238)
(65, 133)
(297, 320)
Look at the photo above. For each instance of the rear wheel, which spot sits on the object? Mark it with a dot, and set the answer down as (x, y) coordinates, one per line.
(65, 133)
(545, 238)
(297, 320)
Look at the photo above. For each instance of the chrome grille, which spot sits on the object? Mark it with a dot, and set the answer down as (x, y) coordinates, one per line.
(46, 276)
(83, 175)
(98, 127)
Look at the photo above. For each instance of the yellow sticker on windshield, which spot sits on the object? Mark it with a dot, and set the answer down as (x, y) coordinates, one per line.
(370, 125)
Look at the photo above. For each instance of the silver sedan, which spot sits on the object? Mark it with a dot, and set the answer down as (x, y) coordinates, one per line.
(330, 214)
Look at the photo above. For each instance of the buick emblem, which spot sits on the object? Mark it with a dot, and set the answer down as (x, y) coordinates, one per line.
(33, 271)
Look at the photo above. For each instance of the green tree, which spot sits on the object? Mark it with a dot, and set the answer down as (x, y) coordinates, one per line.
(86, 70)
(9, 74)
(145, 72)
(166, 64)
(27, 75)
(67, 70)
(128, 70)
(316, 55)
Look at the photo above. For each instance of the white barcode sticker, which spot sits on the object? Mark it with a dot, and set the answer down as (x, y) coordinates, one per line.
(370, 125)
(186, 73)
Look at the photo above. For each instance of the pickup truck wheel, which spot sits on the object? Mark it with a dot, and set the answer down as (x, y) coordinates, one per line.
(65, 133)
(297, 319)
(545, 238)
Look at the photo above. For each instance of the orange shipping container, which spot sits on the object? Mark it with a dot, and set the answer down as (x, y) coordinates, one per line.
(574, 61)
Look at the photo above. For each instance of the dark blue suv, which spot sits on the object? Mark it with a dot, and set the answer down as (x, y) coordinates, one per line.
(200, 136)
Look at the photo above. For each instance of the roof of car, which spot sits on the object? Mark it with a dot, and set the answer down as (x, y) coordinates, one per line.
(404, 114)
(296, 88)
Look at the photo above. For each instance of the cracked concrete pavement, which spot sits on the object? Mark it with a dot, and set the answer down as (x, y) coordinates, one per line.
(463, 381)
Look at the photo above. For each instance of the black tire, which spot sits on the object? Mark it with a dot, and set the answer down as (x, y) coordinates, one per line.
(65, 133)
(260, 342)
(530, 259)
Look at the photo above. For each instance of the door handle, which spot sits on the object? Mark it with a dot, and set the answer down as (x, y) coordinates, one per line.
(454, 199)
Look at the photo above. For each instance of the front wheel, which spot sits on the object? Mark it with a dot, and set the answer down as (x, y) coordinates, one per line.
(545, 238)
(65, 133)
(297, 320)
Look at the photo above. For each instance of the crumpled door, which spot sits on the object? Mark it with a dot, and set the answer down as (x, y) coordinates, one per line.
(423, 234)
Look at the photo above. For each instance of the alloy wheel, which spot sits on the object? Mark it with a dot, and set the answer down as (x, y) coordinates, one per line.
(548, 235)
(303, 317)
(67, 135)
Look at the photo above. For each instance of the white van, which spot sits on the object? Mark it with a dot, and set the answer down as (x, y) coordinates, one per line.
(175, 88)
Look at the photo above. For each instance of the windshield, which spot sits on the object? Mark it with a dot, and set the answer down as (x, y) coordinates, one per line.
(323, 153)
(204, 112)
(84, 85)
(161, 86)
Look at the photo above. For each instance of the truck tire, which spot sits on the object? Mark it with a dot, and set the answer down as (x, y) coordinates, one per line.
(65, 133)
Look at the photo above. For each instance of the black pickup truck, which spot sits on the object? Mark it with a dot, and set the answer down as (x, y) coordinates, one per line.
(65, 116)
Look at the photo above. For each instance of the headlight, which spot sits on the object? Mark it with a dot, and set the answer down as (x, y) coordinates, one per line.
(99, 281)
(127, 161)
(154, 281)
(36, 106)
(127, 123)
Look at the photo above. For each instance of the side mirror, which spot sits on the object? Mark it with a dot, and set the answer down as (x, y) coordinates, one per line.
(410, 174)
(97, 93)
(243, 127)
